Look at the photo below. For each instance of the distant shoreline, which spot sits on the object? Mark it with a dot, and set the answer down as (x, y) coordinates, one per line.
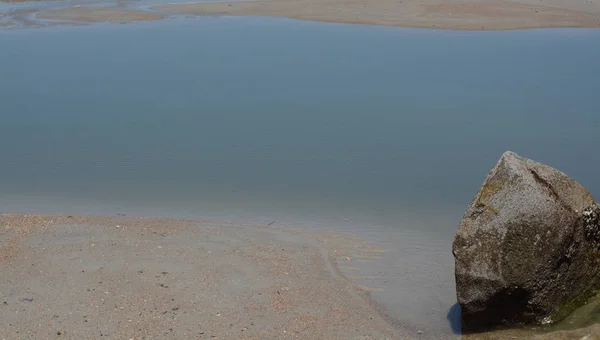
(435, 14)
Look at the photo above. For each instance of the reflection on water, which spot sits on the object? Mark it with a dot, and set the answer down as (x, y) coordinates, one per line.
(383, 131)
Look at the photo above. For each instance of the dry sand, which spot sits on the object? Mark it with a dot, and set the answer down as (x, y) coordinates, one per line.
(98, 14)
(67, 277)
(444, 14)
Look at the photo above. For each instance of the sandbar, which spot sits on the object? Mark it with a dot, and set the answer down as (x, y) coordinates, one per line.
(98, 14)
(440, 14)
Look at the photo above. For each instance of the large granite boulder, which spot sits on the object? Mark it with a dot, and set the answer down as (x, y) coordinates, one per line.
(528, 247)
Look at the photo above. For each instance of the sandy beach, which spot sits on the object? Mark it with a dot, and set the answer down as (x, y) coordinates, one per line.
(441, 14)
(75, 277)
(127, 278)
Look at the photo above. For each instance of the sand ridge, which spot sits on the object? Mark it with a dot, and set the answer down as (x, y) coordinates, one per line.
(442, 14)
(98, 14)
(438, 14)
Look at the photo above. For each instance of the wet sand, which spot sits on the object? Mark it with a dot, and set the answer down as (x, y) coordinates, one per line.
(75, 277)
(587, 333)
(443, 14)
(134, 278)
(98, 14)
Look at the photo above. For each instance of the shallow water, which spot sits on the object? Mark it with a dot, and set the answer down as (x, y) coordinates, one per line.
(383, 131)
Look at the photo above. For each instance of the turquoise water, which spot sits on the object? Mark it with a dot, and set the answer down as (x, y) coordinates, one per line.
(383, 131)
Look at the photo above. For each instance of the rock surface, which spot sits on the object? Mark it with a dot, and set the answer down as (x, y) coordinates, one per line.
(527, 248)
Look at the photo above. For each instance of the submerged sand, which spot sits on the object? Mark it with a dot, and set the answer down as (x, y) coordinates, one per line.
(132, 278)
(98, 14)
(443, 14)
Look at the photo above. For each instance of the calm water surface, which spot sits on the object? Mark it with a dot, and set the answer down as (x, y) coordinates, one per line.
(383, 131)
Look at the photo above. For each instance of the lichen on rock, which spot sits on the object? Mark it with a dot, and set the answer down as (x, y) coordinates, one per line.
(591, 221)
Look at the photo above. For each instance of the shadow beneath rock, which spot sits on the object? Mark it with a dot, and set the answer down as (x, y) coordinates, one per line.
(454, 318)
